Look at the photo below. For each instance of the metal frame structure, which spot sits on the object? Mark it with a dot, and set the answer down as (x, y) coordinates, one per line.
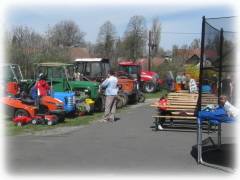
(219, 69)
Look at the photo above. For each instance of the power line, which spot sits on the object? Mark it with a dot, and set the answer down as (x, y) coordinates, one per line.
(165, 32)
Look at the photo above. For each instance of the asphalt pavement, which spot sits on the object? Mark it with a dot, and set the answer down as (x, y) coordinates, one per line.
(127, 146)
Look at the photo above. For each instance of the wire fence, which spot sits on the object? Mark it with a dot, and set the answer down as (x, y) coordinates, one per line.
(218, 50)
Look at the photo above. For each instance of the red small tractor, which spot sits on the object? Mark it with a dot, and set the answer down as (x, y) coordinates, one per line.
(149, 81)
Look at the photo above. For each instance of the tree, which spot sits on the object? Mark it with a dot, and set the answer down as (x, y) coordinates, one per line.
(105, 40)
(156, 35)
(66, 34)
(195, 44)
(135, 38)
(24, 45)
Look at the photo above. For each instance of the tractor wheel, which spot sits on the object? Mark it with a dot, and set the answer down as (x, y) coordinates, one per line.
(100, 104)
(149, 87)
(21, 112)
(124, 98)
(119, 102)
(141, 97)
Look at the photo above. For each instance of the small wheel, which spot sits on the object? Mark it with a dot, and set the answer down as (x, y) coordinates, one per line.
(34, 121)
(50, 123)
(19, 124)
(21, 112)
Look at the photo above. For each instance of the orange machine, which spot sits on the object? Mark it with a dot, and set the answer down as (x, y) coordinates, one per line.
(26, 107)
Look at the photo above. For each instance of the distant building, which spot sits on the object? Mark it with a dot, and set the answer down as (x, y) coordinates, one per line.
(77, 52)
(194, 60)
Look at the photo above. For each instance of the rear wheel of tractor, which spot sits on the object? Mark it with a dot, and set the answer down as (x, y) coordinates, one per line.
(141, 98)
(119, 102)
(149, 87)
(124, 98)
(21, 112)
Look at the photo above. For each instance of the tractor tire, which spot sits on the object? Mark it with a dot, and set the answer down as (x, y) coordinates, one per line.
(100, 104)
(149, 87)
(124, 97)
(119, 102)
(141, 97)
(21, 112)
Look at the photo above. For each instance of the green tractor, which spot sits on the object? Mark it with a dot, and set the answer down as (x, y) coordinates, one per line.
(62, 79)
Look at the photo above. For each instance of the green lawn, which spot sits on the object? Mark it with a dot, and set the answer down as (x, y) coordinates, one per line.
(12, 130)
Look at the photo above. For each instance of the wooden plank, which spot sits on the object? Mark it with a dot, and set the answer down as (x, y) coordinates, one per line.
(179, 113)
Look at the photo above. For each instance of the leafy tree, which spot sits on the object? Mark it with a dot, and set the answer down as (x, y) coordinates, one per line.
(66, 34)
(106, 40)
(156, 35)
(135, 38)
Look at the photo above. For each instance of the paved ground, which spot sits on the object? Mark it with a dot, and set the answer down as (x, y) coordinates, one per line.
(128, 146)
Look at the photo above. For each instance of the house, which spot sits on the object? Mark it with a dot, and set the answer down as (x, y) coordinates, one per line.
(77, 52)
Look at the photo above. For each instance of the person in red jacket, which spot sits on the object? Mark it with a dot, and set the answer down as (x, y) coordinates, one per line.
(42, 88)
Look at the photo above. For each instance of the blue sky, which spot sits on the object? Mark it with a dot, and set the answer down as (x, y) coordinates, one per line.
(90, 17)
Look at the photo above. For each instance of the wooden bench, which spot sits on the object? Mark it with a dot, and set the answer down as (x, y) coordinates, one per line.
(181, 106)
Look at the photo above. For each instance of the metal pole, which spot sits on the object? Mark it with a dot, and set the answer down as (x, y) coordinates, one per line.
(199, 141)
(201, 64)
(220, 64)
(199, 128)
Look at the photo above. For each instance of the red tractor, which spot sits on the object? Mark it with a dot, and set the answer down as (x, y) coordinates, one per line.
(149, 81)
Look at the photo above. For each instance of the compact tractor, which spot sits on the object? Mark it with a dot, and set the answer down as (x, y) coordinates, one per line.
(149, 81)
(61, 78)
(21, 107)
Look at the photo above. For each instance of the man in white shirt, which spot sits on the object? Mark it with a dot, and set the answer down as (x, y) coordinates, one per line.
(111, 91)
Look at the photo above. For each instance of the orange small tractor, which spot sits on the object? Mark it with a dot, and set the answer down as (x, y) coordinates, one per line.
(16, 106)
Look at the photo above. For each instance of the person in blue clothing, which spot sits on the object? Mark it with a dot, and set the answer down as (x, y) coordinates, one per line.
(222, 112)
(111, 91)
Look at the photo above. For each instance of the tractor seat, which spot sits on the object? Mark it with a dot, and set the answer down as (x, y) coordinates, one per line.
(28, 101)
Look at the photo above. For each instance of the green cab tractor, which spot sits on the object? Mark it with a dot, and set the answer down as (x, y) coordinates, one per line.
(62, 79)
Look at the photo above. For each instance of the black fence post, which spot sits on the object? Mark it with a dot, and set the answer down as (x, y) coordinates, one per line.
(220, 64)
(201, 64)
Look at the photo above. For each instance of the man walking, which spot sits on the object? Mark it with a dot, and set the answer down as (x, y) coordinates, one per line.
(111, 90)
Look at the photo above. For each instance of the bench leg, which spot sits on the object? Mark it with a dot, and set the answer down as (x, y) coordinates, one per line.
(156, 124)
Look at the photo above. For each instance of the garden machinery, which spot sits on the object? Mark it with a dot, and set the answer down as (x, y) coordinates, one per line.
(96, 69)
(17, 95)
(61, 78)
